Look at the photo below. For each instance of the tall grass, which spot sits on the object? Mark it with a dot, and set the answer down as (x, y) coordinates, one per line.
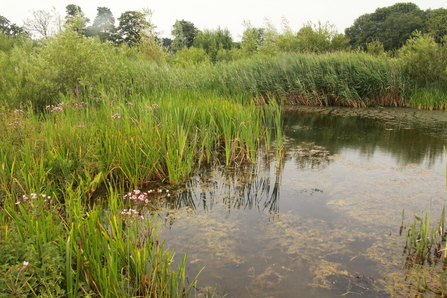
(53, 161)
(426, 253)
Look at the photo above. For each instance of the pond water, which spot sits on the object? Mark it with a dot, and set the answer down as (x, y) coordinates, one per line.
(324, 220)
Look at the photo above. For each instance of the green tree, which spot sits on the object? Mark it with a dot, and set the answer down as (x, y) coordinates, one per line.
(9, 29)
(132, 26)
(76, 19)
(436, 24)
(252, 39)
(423, 60)
(321, 38)
(184, 33)
(103, 25)
(391, 25)
(212, 41)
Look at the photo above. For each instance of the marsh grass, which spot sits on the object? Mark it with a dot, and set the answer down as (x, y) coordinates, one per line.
(425, 252)
(74, 245)
(429, 98)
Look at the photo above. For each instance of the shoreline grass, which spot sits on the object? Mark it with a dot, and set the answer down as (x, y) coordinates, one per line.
(52, 163)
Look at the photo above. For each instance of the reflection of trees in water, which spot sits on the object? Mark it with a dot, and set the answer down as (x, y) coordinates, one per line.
(252, 186)
(406, 141)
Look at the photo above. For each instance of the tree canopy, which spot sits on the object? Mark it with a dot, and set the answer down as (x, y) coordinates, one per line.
(8, 28)
(103, 25)
(184, 33)
(392, 26)
(132, 25)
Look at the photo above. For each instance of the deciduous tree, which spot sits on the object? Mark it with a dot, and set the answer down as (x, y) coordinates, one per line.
(214, 40)
(132, 26)
(184, 33)
(8, 28)
(436, 24)
(103, 25)
(75, 19)
(40, 23)
(391, 25)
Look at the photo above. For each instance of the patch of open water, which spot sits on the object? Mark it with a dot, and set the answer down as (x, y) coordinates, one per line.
(324, 221)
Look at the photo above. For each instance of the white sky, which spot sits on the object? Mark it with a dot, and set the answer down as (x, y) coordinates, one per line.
(209, 14)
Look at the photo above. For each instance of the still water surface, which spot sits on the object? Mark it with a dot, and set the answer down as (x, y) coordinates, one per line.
(324, 220)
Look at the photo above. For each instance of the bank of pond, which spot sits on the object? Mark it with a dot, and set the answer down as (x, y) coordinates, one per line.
(96, 152)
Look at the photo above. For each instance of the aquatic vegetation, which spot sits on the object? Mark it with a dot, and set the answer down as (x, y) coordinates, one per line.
(53, 162)
(425, 253)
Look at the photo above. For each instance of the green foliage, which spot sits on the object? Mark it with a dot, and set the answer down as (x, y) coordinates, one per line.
(76, 19)
(391, 25)
(184, 33)
(423, 60)
(312, 38)
(187, 57)
(425, 251)
(321, 38)
(59, 65)
(436, 24)
(212, 41)
(133, 25)
(103, 25)
(375, 48)
(252, 39)
(9, 29)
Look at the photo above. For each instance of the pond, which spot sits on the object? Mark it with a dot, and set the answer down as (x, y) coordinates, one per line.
(324, 220)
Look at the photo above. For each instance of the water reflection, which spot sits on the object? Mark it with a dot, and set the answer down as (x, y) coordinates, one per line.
(247, 187)
(323, 221)
(420, 142)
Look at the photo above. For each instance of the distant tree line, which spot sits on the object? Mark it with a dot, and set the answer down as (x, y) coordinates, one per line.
(386, 29)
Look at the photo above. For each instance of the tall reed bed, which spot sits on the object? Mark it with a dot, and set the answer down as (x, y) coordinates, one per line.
(342, 78)
(55, 240)
(69, 63)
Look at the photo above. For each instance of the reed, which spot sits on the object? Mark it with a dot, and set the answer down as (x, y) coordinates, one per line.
(426, 253)
(425, 242)
(76, 247)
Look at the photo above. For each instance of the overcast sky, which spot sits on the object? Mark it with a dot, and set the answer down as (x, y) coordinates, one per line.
(209, 14)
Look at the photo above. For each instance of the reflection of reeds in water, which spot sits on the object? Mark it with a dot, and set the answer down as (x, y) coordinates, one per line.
(244, 187)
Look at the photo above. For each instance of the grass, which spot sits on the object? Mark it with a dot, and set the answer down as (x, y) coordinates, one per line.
(426, 253)
(53, 163)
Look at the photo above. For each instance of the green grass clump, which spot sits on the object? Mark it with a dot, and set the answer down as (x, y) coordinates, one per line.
(429, 98)
(426, 253)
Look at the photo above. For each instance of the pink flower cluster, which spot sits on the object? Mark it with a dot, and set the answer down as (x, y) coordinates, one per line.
(137, 195)
(116, 116)
(56, 109)
(35, 203)
(15, 124)
(33, 196)
(151, 199)
(132, 213)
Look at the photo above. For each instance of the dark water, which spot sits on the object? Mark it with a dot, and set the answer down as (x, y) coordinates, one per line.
(321, 222)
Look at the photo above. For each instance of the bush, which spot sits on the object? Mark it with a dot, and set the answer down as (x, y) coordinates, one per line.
(423, 60)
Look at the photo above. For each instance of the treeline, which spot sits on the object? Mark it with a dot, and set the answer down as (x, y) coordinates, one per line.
(101, 59)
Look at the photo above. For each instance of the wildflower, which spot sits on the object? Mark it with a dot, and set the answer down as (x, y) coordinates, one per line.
(81, 126)
(18, 202)
(116, 116)
(25, 263)
(129, 103)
